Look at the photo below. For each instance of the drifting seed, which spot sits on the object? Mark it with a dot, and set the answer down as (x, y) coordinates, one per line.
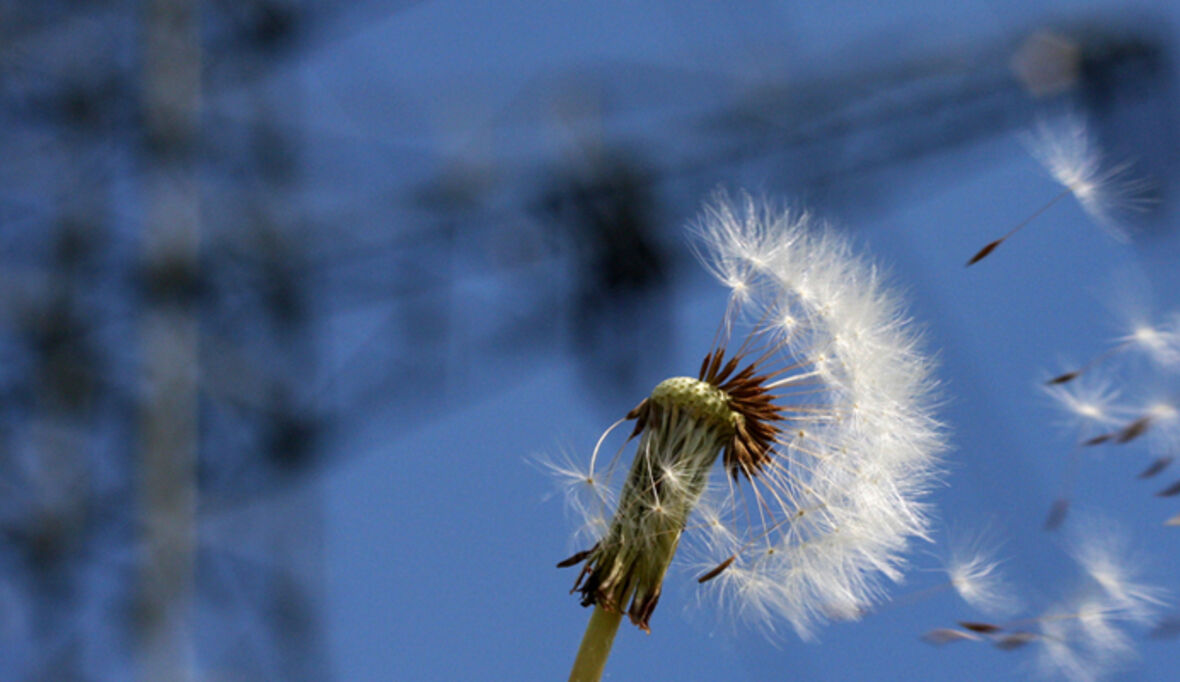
(946, 635)
(1099, 439)
(982, 253)
(1167, 628)
(1155, 467)
(1133, 430)
(1016, 640)
(1170, 490)
(1057, 514)
(1063, 378)
(716, 571)
(982, 628)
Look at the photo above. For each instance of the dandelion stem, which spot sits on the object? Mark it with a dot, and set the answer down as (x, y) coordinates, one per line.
(596, 644)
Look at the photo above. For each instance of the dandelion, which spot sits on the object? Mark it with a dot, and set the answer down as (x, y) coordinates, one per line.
(1066, 149)
(1086, 635)
(1121, 397)
(976, 577)
(1105, 556)
(1069, 153)
(819, 419)
(1089, 406)
(1156, 467)
(1159, 343)
(1158, 420)
(974, 574)
(1157, 423)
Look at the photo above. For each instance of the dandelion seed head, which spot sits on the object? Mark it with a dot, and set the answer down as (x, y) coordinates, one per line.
(747, 231)
(1089, 403)
(1068, 152)
(976, 575)
(1142, 331)
(1085, 637)
(1059, 654)
(858, 443)
(1104, 555)
(820, 414)
(1161, 424)
(1101, 631)
(1159, 342)
(1147, 336)
(1162, 410)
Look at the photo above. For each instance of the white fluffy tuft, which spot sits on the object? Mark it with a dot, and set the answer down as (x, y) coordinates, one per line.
(1068, 151)
(836, 510)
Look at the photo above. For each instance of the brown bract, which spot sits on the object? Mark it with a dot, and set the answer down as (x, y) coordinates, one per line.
(756, 414)
(736, 416)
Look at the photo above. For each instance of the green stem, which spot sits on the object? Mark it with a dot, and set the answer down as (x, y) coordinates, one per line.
(596, 643)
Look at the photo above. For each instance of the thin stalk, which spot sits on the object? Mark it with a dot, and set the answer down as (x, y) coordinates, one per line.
(596, 644)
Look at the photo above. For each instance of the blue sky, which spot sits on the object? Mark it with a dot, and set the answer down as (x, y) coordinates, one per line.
(440, 532)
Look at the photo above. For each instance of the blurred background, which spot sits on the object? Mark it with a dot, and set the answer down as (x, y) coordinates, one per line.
(294, 292)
